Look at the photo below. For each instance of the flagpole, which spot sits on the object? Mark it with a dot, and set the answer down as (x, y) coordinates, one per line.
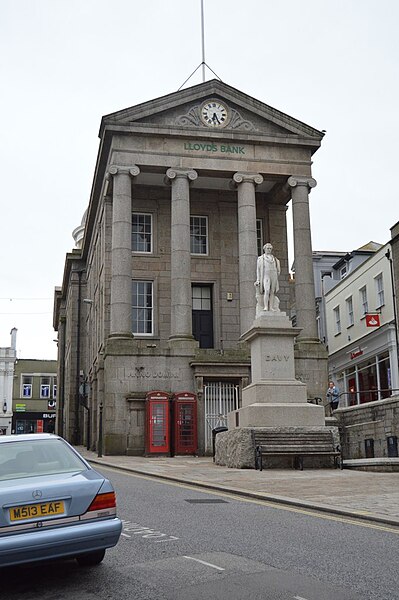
(203, 41)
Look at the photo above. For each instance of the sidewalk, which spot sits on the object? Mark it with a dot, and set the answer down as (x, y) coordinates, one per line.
(361, 494)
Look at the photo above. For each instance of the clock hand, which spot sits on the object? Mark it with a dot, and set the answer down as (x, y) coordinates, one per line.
(215, 118)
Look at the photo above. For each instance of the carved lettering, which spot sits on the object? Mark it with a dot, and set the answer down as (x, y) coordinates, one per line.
(142, 373)
(277, 357)
(225, 148)
(232, 149)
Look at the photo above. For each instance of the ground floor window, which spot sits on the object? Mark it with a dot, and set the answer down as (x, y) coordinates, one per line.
(34, 426)
(368, 381)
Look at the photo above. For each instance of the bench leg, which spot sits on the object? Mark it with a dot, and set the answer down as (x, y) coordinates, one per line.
(298, 463)
(258, 459)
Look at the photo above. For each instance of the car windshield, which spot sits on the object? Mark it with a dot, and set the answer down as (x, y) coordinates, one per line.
(30, 458)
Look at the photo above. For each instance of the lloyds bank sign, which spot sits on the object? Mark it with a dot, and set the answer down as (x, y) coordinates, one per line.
(224, 148)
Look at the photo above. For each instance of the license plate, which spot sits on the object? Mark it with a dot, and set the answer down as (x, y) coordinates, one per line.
(31, 511)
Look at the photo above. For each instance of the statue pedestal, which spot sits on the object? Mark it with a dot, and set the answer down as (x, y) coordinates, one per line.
(274, 398)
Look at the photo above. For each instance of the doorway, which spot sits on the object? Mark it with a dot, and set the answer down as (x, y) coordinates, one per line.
(202, 315)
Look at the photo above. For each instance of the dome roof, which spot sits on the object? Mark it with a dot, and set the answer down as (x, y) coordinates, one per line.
(79, 232)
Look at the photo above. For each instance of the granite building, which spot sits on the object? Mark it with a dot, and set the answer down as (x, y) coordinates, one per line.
(160, 288)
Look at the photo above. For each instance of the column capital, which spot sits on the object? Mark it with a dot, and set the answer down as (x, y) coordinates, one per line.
(296, 180)
(189, 174)
(255, 178)
(133, 170)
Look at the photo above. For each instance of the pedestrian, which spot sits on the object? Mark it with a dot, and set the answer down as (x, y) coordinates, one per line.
(332, 396)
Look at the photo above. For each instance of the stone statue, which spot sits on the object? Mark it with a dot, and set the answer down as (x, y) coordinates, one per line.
(266, 284)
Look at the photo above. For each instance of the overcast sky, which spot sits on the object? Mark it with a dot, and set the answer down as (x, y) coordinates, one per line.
(332, 64)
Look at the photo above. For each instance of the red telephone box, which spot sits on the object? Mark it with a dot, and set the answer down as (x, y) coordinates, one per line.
(158, 423)
(185, 423)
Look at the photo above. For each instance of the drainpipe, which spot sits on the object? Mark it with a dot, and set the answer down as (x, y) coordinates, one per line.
(395, 316)
(77, 382)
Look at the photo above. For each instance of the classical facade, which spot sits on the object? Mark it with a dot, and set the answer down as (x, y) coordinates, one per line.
(159, 292)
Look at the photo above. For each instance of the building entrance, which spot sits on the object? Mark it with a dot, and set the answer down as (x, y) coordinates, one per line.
(202, 315)
(221, 397)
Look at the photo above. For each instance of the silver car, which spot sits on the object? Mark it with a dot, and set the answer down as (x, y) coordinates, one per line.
(52, 503)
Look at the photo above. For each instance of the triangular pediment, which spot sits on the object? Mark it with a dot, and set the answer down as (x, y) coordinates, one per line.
(184, 110)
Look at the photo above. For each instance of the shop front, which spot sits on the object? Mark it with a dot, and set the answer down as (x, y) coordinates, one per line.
(33, 422)
(367, 372)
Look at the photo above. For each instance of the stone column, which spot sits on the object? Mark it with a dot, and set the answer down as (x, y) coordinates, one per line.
(181, 302)
(247, 250)
(121, 252)
(304, 280)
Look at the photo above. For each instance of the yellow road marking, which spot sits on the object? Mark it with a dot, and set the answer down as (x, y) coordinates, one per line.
(295, 509)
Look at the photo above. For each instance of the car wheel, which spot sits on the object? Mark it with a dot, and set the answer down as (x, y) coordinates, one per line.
(90, 559)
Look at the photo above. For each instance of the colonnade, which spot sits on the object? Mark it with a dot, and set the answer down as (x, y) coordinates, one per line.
(180, 179)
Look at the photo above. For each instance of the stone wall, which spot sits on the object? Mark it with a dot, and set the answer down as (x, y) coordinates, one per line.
(235, 448)
(372, 421)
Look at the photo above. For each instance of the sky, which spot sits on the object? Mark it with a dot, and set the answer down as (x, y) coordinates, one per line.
(332, 64)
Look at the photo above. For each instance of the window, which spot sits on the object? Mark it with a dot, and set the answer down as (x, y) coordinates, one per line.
(26, 391)
(199, 235)
(142, 308)
(55, 391)
(201, 297)
(349, 311)
(379, 288)
(44, 387)
(337, 320)
(363, 300)
(259, 236)
(343, 272)
(141, 232)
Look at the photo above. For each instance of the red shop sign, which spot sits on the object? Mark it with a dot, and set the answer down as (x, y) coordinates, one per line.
(373, 320)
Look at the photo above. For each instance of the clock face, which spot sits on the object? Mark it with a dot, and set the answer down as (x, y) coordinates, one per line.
(214, 113)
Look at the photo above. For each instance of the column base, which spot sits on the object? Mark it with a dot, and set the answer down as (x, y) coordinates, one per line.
(311, 366)
(122, 335)
(277, 414)
(183, 343)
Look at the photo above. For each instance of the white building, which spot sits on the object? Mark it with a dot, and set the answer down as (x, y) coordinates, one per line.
(8, 357)
(361, 332)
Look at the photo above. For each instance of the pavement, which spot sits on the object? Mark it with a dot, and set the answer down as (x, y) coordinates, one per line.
(371, 496)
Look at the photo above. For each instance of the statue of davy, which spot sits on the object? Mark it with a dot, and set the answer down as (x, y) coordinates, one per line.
(266, 284)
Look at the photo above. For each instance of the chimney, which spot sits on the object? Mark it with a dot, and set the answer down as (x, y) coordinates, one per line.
(13, 334)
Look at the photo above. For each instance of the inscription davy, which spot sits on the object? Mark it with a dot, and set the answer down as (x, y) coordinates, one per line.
(277, 357)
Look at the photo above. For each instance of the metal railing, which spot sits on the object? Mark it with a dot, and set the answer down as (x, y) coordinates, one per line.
(358, 397)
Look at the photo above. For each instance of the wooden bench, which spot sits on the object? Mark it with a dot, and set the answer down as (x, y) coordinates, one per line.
(296, 445)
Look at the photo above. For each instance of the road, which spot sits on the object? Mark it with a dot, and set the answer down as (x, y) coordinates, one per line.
(180, 542)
